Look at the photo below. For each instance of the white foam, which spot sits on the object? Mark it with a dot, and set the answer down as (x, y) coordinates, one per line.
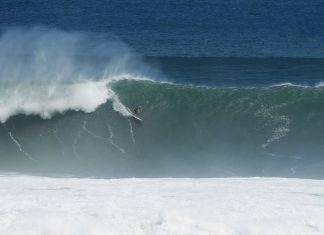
(47, 100)
(127, 76)
(320, 84)
(46, 71)
(288, 84)
(229, 206)
(27, 98)
(280, 124)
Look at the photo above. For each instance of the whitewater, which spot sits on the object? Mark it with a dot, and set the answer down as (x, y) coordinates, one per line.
(40, 205)
(48, 71)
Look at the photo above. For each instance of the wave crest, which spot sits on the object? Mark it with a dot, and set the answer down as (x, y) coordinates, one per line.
(47, 71)
(46, 100)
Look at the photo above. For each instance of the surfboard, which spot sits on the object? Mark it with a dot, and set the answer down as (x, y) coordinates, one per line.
(134, 116)
(137, 118)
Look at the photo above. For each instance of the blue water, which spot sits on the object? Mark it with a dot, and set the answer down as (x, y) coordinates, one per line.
(238, 72)
(216, 28)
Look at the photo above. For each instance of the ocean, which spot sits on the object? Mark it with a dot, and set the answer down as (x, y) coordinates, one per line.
(66, 99)
(231, 97)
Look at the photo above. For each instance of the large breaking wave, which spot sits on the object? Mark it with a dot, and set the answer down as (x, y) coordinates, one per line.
(64, 109)
(46, 71)
(186, 131)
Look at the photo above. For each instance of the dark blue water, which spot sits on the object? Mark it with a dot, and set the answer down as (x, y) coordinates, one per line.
(217, 28)
(210, 42)
(238, 72)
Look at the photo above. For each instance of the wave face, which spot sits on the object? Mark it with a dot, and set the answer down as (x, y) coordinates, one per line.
(186, 131)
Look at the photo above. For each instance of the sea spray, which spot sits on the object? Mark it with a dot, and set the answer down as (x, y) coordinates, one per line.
(46, 71)
(45, 101)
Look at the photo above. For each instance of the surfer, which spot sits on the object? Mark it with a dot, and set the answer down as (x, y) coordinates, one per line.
(137, 110)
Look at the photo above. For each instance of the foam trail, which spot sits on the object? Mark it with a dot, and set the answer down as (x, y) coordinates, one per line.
(119, 107)
(111, 136)
(100, 137)
(84, 127)
(282, 128)
(131, 132)
(278, 132)
(19, 146)
(55, 128)
(75, 142)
